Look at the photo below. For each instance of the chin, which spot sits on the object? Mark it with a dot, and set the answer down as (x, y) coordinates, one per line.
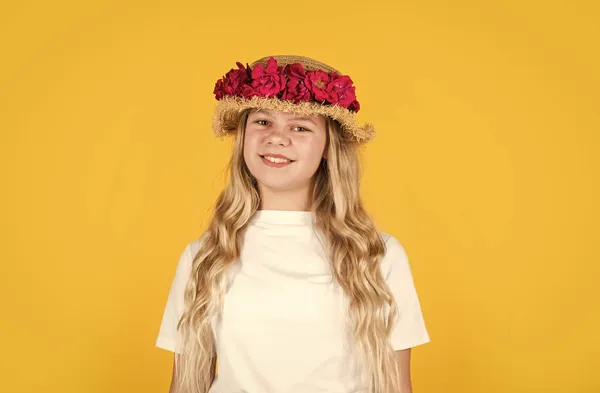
(278, 186)
(285, 181)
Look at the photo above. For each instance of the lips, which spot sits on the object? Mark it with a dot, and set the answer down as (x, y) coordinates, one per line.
(276, 160)
(276, 156)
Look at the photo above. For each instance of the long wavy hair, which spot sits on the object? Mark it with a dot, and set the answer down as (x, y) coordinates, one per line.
(353, 244)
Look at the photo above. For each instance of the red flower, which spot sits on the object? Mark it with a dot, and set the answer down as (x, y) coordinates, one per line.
(218, 91)
(296, 90)
(248, 92)
(268, 81)
(291, 83)
(355, 106)
(231, 84)
(294, 71)
(316, 81)
(341, 91)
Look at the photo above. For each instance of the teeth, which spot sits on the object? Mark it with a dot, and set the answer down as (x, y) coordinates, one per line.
(276, 160)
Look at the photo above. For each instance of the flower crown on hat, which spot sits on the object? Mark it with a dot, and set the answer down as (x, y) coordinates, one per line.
(292, 84)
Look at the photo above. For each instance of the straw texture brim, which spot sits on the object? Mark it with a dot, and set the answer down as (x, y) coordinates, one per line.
(228, 109)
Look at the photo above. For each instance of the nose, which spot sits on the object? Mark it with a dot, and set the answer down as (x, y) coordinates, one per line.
(277, 136)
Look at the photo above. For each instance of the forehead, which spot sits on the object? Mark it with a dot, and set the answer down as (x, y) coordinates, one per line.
(287, 115)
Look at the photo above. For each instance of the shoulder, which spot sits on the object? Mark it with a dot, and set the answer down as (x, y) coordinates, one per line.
(393, 247)
(395, 256)
(189, 253)
(194, 246)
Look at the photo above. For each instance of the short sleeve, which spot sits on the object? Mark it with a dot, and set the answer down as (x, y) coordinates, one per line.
(409, 328)
(168, 337)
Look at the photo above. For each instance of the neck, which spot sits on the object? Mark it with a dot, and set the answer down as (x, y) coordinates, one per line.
(284, 200)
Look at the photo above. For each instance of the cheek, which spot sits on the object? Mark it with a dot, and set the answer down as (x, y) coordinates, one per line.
(250, 145)
(251, 149)
(313, 152)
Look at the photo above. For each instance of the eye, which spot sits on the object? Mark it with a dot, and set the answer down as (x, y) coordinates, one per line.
(261, 122)
(301, 129)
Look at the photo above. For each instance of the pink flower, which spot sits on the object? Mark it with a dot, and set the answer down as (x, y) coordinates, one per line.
(341, 91)
(316, 81)
(268, 81)
(296, 90)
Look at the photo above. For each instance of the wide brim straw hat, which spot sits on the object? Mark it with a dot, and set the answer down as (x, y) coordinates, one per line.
(289, 83)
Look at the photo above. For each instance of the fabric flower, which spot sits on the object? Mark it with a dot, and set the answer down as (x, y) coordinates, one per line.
(295, 90)
(340, 90)
(316, 81)
(269, 80)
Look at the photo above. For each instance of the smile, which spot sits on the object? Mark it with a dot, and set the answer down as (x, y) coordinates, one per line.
(278, 161)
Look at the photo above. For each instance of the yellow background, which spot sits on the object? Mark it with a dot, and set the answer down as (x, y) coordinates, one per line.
(485, 167)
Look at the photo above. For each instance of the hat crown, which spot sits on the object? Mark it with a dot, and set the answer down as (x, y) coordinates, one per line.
(308, 63)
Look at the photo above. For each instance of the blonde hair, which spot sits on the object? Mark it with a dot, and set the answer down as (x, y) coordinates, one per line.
(354, 246)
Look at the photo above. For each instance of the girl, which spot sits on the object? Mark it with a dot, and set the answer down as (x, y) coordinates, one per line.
(292, 287)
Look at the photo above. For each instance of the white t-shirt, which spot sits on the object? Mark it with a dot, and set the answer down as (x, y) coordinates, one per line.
(283, 328)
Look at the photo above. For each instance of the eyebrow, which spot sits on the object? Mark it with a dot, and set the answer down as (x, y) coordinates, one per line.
(269, 113)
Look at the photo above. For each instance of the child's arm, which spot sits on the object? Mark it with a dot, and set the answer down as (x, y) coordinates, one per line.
(173, 388)
(404, 367)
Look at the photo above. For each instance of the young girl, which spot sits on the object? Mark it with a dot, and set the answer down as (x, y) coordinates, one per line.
(292, 287)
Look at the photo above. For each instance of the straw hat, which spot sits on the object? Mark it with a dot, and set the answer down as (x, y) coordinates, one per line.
(289, 83)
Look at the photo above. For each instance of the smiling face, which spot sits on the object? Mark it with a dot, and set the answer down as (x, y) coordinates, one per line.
(283, 150)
